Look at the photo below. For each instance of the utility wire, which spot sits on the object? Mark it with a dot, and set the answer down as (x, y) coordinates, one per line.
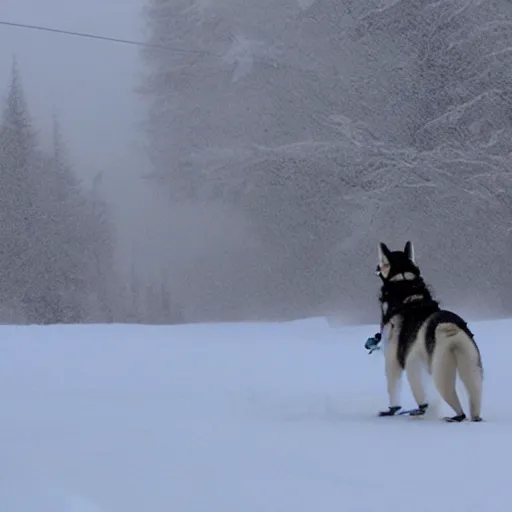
(106, 38)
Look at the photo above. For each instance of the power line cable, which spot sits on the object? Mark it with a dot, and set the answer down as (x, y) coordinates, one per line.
(107, 38)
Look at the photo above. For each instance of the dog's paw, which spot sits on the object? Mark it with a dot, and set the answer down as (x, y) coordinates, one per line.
(420, 411)
(391, 411)
(455, 419)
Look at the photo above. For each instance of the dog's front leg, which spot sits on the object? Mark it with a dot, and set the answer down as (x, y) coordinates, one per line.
(393, 377)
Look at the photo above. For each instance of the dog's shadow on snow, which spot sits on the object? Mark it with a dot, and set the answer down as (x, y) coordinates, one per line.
(316, 408)
(326, 408)
(361, 407)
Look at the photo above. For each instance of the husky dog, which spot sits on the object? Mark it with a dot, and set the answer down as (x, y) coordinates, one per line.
(419, 334)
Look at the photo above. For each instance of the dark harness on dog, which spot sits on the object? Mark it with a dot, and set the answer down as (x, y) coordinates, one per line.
(401, 296)
(412, 300)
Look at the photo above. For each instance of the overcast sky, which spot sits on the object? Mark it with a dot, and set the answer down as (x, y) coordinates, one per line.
(91, 84)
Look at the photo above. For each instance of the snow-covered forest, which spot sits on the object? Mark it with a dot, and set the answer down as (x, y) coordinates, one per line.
(283, 140)
(328, 125)
(57, 249)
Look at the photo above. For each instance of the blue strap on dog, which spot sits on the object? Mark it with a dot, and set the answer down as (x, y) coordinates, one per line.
(372, 344)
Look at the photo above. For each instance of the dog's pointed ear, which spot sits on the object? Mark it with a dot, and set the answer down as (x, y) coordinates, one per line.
(384, 260)
(409, 251)
(384, 254)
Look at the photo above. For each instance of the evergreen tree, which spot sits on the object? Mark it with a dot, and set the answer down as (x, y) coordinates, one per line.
(57, 247)
(20, 215)
(101, 244)
(64, 246)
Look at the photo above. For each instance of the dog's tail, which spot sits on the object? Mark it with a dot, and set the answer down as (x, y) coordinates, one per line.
(457, 351)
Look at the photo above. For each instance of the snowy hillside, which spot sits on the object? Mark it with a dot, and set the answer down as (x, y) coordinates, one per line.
(235, 418)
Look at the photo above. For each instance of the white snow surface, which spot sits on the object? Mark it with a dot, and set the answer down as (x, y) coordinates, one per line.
(236, 418)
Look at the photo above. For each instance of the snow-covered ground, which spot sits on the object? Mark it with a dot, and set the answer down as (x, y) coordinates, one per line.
(236, 418)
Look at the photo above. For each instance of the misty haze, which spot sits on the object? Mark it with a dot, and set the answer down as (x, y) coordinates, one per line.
(204, 214)
(245, 162)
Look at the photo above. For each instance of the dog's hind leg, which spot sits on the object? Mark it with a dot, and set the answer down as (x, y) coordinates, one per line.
(414, 371)
(469, 366)
(444, 373)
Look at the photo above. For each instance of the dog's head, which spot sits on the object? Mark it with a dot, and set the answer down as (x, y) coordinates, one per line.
(397, 265)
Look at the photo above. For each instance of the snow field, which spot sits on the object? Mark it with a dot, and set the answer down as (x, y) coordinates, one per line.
(236, 418)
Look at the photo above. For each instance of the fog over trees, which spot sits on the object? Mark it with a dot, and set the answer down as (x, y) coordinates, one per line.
(282, 141)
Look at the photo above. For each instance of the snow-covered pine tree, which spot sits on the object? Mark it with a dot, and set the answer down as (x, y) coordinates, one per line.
(20, 213)
(56, 245)
(101, 251)
(65, 247)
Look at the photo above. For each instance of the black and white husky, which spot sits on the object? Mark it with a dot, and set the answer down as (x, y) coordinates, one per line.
(419, 334)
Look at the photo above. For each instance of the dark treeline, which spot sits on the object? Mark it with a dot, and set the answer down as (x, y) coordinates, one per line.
(58, 246)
